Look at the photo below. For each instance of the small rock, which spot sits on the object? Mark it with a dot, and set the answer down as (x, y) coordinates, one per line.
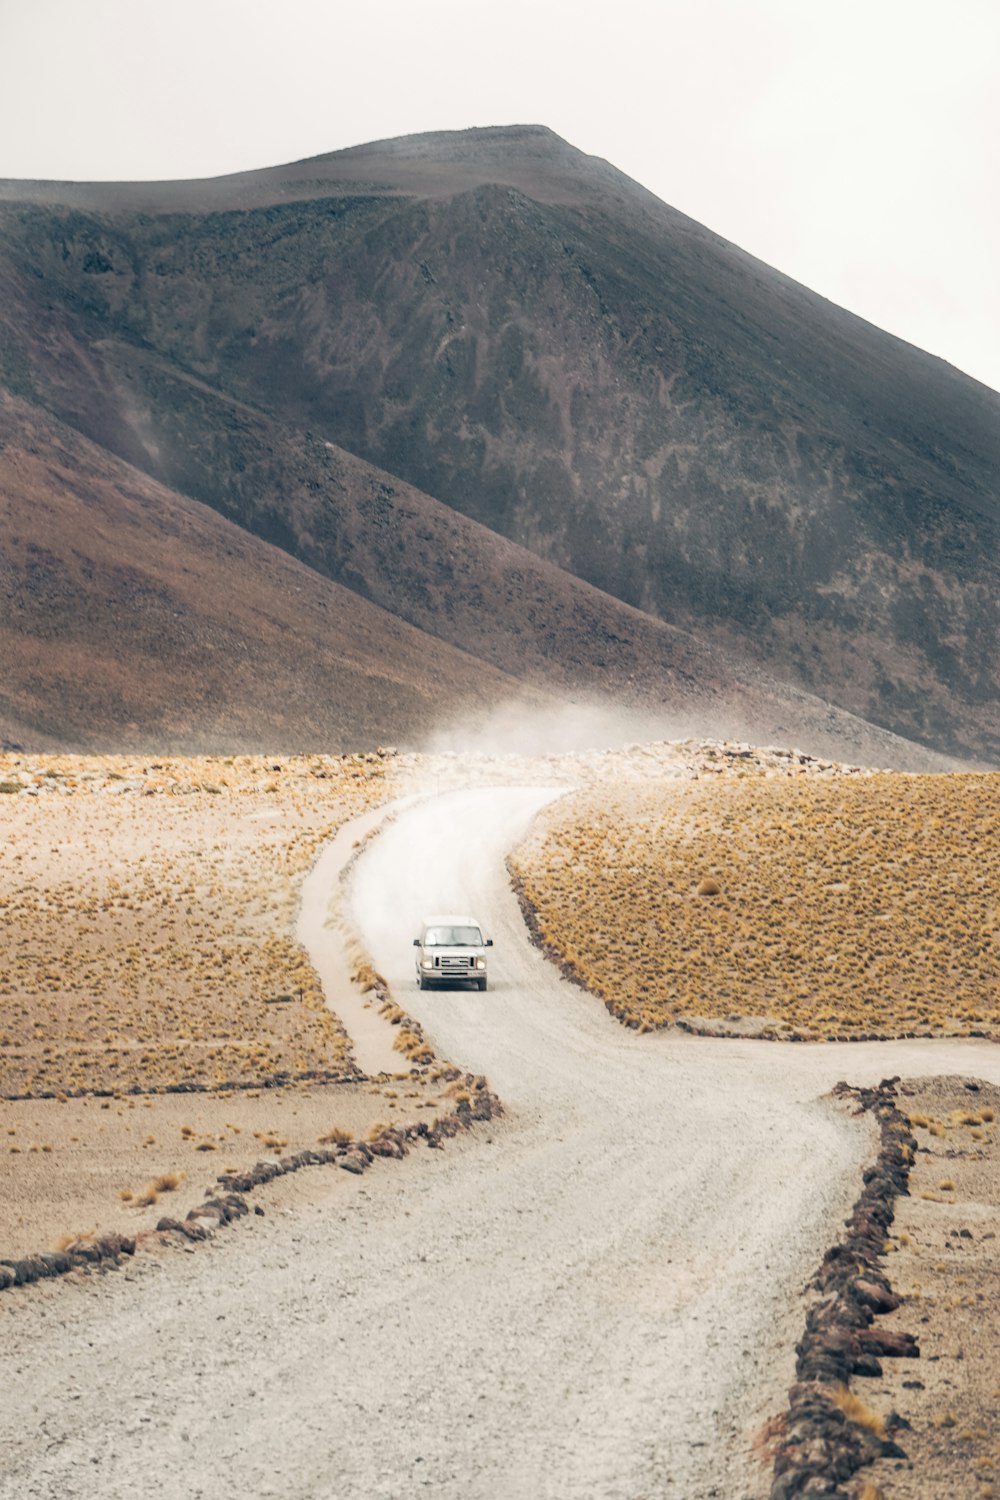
(353, 1162)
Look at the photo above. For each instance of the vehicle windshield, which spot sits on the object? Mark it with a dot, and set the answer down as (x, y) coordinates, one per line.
(453, 937)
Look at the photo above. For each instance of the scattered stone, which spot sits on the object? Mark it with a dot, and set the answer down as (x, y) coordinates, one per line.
(353, 1161)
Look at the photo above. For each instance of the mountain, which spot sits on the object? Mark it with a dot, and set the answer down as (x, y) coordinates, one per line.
(496, 389)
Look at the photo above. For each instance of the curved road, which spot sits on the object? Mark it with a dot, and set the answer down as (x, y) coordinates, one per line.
(594, 1298)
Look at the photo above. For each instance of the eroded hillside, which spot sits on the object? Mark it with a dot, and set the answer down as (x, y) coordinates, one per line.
(531, 340)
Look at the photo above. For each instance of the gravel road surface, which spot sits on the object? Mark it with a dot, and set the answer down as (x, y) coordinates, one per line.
(595, 1297)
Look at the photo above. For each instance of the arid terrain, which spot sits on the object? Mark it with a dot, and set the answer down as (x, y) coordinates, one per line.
(161, 1022)
(351, 510)
(805, 899)
(647, 1192)
(944, 1262)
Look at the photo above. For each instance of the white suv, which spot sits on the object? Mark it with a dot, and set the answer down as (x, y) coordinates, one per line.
(451, 950)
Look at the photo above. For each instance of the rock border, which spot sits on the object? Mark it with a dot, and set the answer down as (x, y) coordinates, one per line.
(79, 1254)
(229, 1204)
(820, 1444)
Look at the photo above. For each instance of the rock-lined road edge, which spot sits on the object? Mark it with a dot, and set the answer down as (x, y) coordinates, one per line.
(820, 1447)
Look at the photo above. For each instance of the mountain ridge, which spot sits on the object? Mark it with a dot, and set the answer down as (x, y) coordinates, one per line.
(565, 361)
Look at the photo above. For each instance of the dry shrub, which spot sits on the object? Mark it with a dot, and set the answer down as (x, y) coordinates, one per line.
(335, 1136)
(167, 1182)
(856, 1411)
(66, 1241)
(413, 1046)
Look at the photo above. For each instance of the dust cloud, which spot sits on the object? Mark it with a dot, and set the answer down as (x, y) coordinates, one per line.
(527, 727)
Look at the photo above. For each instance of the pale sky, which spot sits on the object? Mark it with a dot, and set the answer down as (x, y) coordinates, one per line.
(850, 143)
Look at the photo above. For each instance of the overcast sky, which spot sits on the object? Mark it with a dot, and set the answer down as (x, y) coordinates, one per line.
(851, 143)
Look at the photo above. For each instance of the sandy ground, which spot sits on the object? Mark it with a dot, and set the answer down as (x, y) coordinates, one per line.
(99, 1150)
(597, 1297)
(946, 1264)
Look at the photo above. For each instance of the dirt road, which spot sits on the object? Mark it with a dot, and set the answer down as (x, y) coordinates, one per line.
(594, 1298)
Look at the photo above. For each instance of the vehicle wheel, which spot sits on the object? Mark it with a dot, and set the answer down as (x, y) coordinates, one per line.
(421, 981)
(482, 985)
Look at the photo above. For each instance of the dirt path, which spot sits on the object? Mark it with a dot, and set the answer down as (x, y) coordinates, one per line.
(595, 1298)
(321, 931)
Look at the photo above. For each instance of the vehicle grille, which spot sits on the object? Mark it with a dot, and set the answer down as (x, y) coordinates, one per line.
(453, 965)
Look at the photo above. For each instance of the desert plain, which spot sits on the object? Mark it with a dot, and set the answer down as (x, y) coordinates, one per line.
(165, 1025)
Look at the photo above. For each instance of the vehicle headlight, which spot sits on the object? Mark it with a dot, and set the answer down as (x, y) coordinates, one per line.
(480, 963)
(427, 963)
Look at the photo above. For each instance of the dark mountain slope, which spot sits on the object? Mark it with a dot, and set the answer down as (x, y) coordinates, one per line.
(132, 616)
(531, 338)
(134, 619)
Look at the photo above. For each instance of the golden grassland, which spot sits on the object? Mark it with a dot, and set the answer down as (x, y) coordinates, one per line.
(147, 911)
(828, 906)
(147, 919)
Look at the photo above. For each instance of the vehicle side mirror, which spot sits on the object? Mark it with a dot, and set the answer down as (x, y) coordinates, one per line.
(489, 942)
(416, 942)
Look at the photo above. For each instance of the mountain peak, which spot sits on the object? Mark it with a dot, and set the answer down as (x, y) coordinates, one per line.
(477, 142)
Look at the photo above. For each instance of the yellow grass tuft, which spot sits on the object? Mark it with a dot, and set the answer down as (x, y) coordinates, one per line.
(856, 1411)
(66, 1240)
(167, 1182)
